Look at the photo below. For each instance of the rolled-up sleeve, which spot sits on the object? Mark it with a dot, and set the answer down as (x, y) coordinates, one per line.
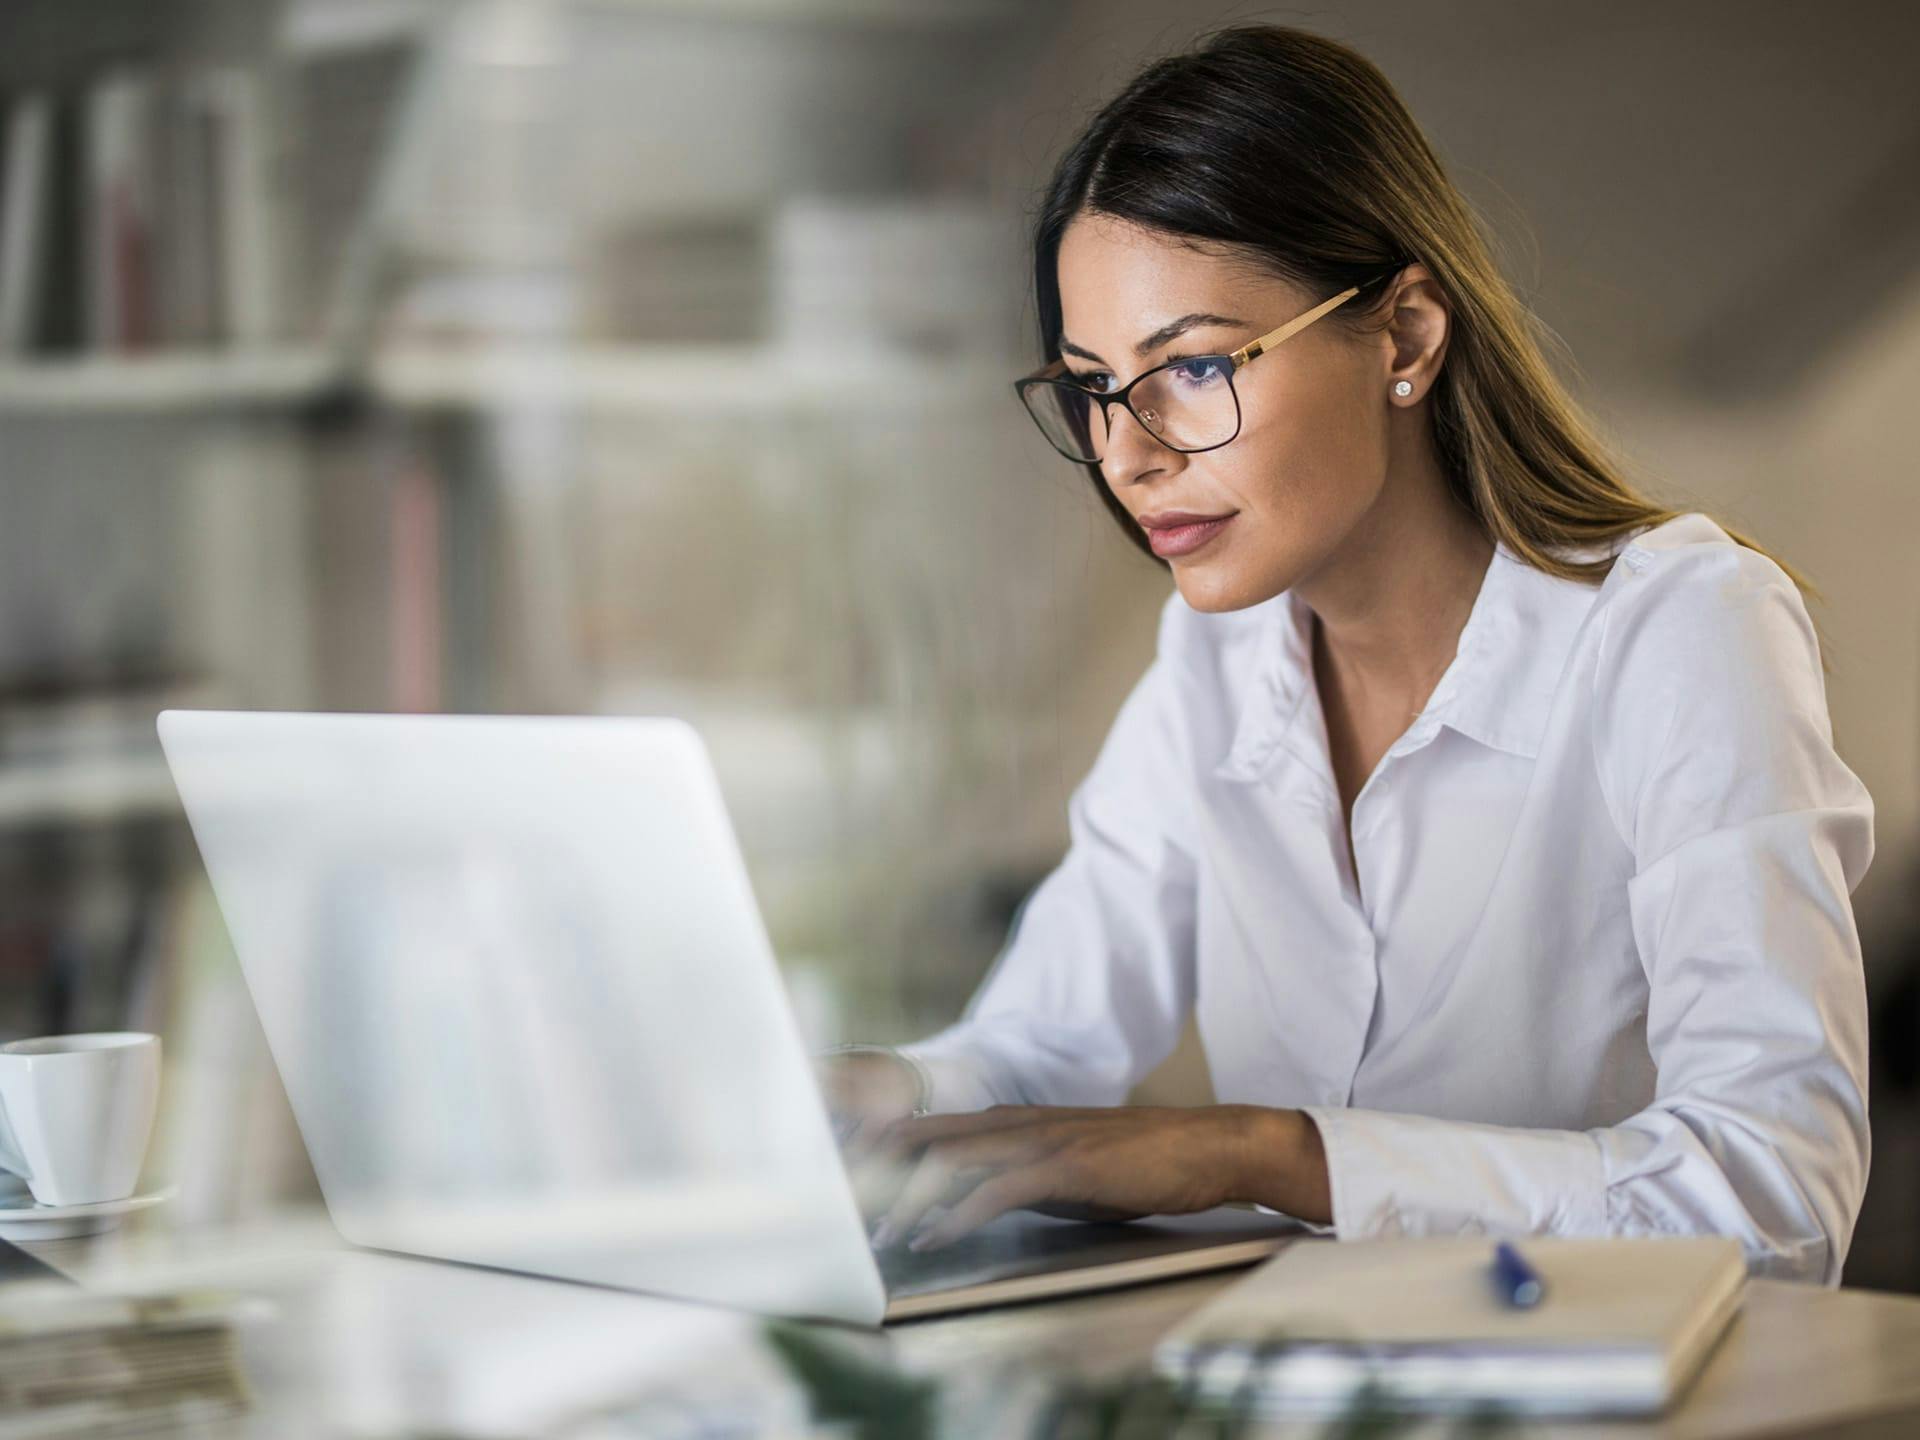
(1096, 978)
(1749, 834)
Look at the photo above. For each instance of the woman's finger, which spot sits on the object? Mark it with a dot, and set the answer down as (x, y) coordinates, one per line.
(948, 1169)
(941, 1177)
(1009, 1190)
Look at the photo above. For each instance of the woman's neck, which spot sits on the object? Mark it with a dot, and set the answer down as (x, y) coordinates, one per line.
(1391, 603)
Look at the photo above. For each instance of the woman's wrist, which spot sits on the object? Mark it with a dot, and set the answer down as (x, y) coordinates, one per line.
(922, 1081)
(1280, 1162)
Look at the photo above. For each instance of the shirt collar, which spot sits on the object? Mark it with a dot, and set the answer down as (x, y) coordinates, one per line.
(1497, 691)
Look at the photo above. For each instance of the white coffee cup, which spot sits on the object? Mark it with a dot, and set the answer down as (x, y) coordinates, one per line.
(76, 1112)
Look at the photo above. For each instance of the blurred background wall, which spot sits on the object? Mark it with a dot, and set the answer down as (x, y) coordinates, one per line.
(640, 356)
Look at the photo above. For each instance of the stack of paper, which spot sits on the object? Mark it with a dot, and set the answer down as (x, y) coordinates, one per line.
(74, 1362)
(1624, 1326)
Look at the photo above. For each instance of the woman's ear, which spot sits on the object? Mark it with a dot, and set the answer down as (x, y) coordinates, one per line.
(1418, 323)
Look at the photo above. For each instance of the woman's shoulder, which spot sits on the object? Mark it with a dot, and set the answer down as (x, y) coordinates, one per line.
(1707, 677)
(1684, 599)
(1709, 700)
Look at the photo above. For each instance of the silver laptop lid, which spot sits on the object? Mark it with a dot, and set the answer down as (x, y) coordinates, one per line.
(521, 998)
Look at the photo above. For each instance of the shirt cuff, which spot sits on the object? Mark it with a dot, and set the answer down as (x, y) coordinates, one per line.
(1393, 1174)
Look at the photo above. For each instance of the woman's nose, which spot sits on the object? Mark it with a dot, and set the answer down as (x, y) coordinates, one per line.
(1131, 451)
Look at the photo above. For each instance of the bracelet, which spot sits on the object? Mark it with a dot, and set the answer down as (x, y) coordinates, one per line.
(923, 1082)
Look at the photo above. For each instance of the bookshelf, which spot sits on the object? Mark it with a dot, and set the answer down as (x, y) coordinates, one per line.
(376, 502)
(108, 789)
(622, 379)
(178, 381)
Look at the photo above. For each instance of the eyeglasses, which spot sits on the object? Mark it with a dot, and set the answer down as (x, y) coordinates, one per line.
(1187, 405)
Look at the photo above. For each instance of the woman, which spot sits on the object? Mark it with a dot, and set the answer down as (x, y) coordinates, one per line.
(1486, 812)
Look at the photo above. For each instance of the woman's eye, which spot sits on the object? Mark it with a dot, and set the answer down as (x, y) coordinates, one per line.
(1096, 381)
(1198, 373)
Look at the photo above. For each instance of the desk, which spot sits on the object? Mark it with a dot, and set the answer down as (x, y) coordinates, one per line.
(1799, 1360)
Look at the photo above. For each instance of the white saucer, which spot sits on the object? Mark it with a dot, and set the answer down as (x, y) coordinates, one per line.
(23, 1218)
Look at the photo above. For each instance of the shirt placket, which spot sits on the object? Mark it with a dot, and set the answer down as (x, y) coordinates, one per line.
(1372, 856)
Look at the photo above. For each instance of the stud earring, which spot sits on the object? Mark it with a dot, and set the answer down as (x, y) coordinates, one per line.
(1403, 387)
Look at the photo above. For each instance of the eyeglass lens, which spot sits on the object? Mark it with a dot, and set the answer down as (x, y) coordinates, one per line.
(1188, 405)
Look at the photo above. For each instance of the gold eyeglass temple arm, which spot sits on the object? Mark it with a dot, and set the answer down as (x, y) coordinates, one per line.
(1299, 322)
(1246, 352)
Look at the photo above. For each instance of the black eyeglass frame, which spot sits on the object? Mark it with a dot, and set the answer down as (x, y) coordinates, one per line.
(1234, 360)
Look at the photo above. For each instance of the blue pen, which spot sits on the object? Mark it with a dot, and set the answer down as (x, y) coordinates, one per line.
(1517, 1282)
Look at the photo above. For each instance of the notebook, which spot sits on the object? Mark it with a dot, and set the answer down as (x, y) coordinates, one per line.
(1623, 1329)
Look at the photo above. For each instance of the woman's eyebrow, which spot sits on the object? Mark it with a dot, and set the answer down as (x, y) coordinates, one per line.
(1172, 330)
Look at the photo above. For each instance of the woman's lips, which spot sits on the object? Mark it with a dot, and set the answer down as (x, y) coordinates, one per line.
(1185, 539)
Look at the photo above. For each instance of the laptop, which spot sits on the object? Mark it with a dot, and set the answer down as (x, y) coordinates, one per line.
(526, 1012)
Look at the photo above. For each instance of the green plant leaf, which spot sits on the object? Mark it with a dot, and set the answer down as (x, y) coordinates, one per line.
(883, 1402)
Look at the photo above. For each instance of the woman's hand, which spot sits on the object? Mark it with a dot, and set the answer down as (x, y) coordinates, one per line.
(1103, 1163)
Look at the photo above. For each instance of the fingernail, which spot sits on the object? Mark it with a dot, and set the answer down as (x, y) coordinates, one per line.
(883, 1233)
(923, 1241)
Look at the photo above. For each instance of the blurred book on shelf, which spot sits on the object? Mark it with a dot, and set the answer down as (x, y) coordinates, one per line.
(248, 154)
(121, 189)
(41, 308)
(343, 111)
(696, 281)
(898, 272)
(26, 152)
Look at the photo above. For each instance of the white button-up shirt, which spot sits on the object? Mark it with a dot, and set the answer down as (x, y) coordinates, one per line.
(1592, 969)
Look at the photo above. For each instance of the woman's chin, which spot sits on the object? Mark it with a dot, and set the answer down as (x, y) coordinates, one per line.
(1215, 589)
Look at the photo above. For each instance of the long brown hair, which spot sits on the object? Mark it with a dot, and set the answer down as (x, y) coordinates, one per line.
(1295, 152)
